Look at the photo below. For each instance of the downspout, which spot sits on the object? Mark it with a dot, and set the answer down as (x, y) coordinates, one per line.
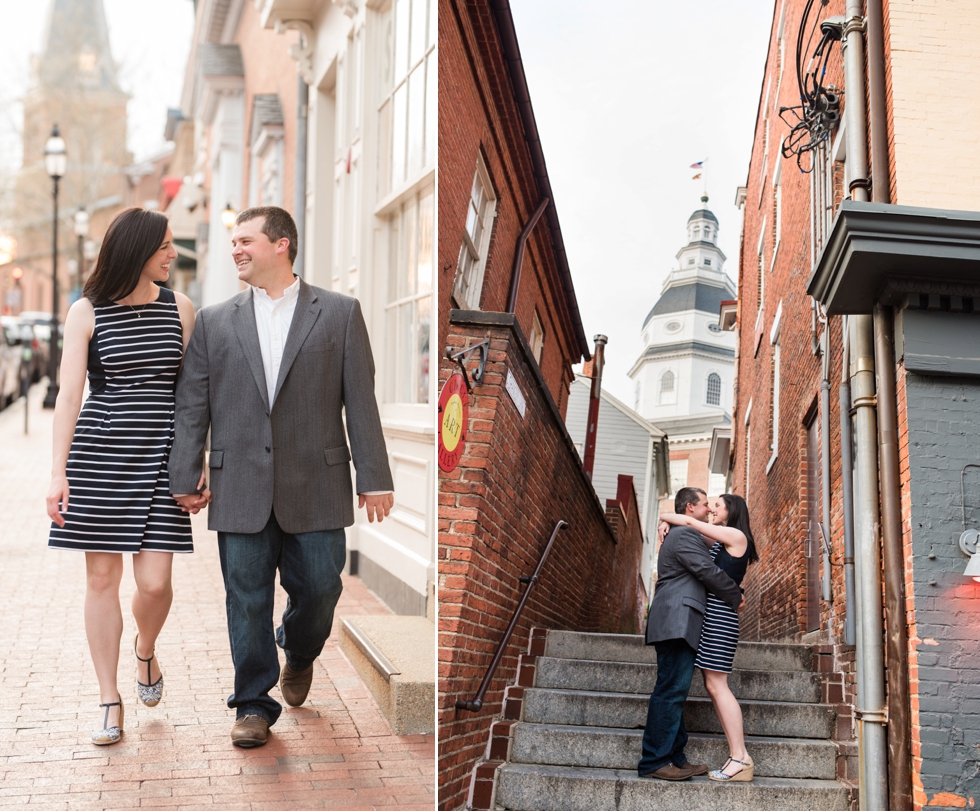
(299, 181)
(519, 250)
(871, 716)
(847, 488)
(896, 634)
(825, 457)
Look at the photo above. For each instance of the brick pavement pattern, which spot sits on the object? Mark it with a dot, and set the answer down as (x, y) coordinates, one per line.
(336, 751)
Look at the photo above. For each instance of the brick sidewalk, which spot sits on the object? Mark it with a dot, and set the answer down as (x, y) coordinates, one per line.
(336, 751)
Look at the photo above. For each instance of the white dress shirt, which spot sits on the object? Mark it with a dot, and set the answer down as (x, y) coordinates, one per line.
(272, 320)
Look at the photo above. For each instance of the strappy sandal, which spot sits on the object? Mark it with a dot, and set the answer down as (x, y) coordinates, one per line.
(109, 735)
(743, 775)
(148, 694)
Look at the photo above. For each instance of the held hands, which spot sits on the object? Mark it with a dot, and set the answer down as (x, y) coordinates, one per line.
(378, 506)
(57, 494)
(193, 503)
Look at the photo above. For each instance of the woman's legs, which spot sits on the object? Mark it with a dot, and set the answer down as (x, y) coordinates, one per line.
(730, 715)
(103, 623)
(151, 605)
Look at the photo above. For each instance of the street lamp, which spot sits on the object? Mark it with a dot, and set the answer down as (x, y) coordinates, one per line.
(81, 231)
(228, 216)
(56, 164)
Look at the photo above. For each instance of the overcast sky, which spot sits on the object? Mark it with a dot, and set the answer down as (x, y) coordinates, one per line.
(627, 95)
(150, 40)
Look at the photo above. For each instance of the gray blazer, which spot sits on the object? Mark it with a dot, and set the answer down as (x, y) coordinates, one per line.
(293, 457)
(685, 573)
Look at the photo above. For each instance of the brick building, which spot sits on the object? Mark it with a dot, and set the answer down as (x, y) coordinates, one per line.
(857, 380)
(327, 109)
(504, 282)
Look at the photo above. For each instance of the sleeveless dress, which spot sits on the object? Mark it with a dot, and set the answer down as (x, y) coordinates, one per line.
(119, 495)
(719, 633)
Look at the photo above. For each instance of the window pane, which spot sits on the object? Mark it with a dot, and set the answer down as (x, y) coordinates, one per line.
(426, 239)
(387, 67)
(431, 102)
(418, 30)
(433, 23)
(398, 137)
(422, 390)
(408, 281)
(384, 149)
(416, 121)
(401, 38)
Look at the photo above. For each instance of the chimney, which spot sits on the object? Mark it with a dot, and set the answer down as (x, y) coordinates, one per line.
(598, 359)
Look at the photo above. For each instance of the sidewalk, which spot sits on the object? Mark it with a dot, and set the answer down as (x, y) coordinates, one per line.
(336, 751)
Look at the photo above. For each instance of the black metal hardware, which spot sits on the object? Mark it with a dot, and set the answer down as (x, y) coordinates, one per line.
(462, 357)
(477, 703)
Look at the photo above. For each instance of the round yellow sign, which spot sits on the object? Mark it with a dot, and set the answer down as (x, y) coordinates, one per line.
(452, 423)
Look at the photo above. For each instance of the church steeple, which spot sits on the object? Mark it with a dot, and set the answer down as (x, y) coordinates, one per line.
(76, 51)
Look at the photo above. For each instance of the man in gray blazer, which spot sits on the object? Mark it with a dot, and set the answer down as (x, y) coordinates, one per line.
(272, 372)
(685, 572)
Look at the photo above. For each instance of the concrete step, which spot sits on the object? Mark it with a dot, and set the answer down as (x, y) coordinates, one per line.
(598, 709)
(592, 747)
(557, 788)
(395, 658)
(637, 677)
(632, 648)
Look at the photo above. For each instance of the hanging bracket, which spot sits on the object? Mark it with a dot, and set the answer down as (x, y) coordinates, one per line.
(462, 357)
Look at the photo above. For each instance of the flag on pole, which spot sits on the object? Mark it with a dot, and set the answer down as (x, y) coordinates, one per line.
(697, 165)
(697, 176)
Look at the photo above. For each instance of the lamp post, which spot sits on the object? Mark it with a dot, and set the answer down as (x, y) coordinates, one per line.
(56, 164)
(81, 231)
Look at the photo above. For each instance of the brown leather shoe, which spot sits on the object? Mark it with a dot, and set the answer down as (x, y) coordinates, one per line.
(250, 731)
(295, 685)
(696, 768)
(670, 772)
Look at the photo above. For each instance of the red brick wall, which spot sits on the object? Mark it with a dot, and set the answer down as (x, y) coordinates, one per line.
(478, 115)
(777, 495)
(497, 509)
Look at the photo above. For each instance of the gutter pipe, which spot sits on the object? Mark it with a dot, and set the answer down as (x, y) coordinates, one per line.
(825, 457)
(520, 249)
(847, 489)
(299, 180)
(896, 632)
(871, 715)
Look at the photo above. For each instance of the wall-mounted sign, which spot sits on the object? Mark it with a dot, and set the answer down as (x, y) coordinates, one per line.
(454, 411)
(514, 390)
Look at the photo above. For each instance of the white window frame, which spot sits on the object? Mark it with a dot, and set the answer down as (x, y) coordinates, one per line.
(707, 382)
(777, 196)
(761, 264)
(469, 298)
(536, 338)
(672, 400)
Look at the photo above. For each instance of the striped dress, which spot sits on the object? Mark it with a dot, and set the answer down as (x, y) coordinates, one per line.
(119, 498)
(719, 633)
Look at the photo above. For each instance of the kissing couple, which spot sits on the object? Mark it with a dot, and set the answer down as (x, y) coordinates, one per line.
(693, 622)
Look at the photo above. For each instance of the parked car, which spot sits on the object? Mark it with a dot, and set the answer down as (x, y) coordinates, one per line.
(41, 321)
(27, 334)
(10, 354)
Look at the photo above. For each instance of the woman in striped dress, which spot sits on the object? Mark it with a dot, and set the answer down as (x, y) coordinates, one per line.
(732, 549)
(109, 489)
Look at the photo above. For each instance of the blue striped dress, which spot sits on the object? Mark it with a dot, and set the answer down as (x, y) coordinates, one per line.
(719, 633)
(119, 498)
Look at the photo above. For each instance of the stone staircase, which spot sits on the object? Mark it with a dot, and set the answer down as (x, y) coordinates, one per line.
(575, 741)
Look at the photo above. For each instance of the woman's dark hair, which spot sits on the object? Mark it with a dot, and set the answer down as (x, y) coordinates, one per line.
(738, 517)
(133, 237)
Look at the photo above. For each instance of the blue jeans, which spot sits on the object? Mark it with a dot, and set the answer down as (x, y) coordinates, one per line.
(309, 567)
(664, 737)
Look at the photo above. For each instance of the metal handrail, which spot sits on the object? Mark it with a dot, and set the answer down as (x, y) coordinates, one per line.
(477, 703)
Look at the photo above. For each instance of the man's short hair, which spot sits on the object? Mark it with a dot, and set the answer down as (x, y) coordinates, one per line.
(278, 224)
(685, 496)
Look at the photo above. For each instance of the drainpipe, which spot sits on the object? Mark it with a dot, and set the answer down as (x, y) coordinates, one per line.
(598, 359)
(896, 633)
(519, 250)
(825, 458)
(847, 489)
(871, 714)
(299, 199)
